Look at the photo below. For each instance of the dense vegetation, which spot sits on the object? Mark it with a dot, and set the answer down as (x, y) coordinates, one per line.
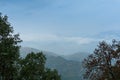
(12, 67)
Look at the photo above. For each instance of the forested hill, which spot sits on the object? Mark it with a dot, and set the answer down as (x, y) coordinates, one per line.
(69, 69)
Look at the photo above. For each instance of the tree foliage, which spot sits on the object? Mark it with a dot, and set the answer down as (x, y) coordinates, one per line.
(33, 68)
(12, 66)
(104, 63)
(9, 49)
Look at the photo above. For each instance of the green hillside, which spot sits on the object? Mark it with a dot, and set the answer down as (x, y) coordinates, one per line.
(68, 69)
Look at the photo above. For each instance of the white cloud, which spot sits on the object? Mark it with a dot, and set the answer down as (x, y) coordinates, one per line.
(39, 37)
(80, 40)
(56, 38)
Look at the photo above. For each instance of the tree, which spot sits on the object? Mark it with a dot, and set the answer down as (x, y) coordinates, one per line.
(12, 66)
(104, 63)
(33, 68)
(9, 50)
(51, 75)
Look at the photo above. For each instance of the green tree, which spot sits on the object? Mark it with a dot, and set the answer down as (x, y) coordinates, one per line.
(104, 63)
(12, 67)
(51, 75)
(33, 68)
(9, 50)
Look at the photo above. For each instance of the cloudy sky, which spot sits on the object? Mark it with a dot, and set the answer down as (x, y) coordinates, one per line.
(63, 26)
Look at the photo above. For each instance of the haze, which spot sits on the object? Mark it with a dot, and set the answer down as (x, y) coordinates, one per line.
(63, 26)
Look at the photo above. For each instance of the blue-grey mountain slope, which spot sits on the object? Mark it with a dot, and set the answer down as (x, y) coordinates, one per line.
(79, 56)
(69, 70)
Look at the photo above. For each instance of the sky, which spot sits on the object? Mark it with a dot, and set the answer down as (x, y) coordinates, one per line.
(63, 26)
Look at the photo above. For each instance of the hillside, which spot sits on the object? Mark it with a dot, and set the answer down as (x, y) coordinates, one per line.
(69, 70)
(79, 56)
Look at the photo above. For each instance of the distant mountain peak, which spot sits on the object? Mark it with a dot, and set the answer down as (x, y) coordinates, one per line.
(25, 50)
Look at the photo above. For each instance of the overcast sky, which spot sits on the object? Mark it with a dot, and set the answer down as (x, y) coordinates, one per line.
(63, 26)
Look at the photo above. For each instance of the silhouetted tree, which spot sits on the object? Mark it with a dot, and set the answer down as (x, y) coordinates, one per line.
(104, 63)
(9, 50)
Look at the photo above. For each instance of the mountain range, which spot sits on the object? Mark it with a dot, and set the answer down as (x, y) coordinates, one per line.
(69, 67)
(79, 56)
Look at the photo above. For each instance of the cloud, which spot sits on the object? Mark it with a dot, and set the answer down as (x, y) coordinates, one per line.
(80, 40)
(51, 38)
(39, 37)
(108, 36)
(56, 38)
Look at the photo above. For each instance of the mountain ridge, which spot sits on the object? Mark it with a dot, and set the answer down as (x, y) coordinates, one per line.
(68, 69)
(79, 56)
